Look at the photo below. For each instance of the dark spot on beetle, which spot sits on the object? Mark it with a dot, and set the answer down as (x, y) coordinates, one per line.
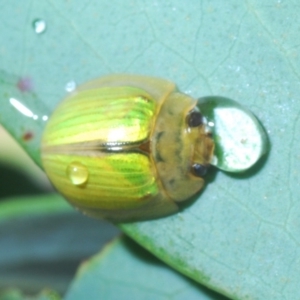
(147, 196)
(172, 181)
(158, 136)
(194, 119)
(199, 170)
(158, 158)
(145, 147)
(170, 112)
(178, 149)
(209, 134)
(25, 84)
(177, 152)
(145, 99)
(27, 136)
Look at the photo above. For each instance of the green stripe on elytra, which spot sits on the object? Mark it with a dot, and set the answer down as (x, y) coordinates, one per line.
(92, 116)
(137, 113)
(136, 178)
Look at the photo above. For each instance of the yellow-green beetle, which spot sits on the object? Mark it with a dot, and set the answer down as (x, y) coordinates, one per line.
(127, 147)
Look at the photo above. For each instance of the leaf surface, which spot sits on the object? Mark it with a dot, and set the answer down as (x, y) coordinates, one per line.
(124, 270)
(241, 235)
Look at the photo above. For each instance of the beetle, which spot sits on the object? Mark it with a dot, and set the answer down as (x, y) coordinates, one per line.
(127, 147)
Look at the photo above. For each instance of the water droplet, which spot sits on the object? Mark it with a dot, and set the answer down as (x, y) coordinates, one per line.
(239, 138)
(77, 173)
(39, 26)
(45, 118)
(70, 86)
(24, 110)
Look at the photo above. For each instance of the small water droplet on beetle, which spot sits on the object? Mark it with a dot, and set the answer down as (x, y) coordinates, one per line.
(39, 26)
(77, 173)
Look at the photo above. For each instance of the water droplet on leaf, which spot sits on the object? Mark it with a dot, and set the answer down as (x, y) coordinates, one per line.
(70, 86)
(240, 139)
(39, 26)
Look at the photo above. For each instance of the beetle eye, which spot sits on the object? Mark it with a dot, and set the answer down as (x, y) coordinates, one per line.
(199, 170)
(194, 119)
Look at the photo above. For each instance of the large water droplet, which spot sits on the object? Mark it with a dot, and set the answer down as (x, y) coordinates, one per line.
(77, 173)
(240, 140)
(39, 26)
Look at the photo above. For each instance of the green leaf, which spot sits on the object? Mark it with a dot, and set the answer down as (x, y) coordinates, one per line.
(15, 294)
(14, 208)
(42, 241)
(136, 275)
(241, 235)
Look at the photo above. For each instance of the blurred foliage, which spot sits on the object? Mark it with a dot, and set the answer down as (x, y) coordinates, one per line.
(18, 173)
